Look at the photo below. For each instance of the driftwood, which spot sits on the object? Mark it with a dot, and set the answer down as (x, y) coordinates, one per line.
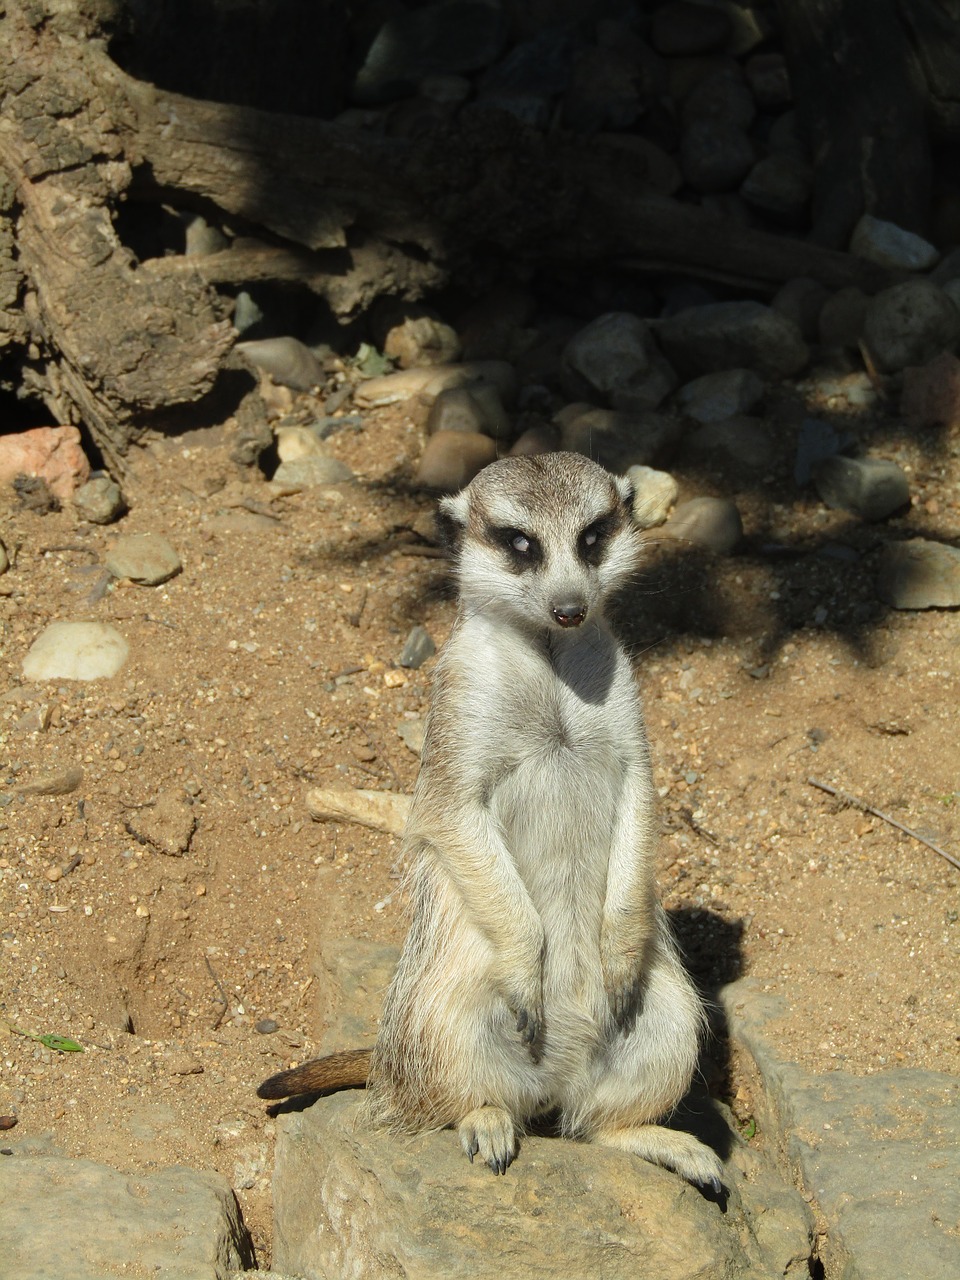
(113, 342)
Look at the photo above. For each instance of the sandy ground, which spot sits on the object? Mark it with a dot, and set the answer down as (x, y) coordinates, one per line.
(181, 895)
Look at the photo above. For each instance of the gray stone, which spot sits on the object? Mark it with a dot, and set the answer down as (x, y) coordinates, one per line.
(452, 458)
(715, 155)
(617, 357)
(618, 440)
(871, 488)
(711, 523)
(727, 335)
(910, 323)
(891, 246)
(348, 1201)
(146, 558)
(63, 1217)
(768, 76)
(879, 1155)
(779, 185)
(411, 732)
(476, 408)
(76, 651)
(417, 648)
(739, 442)
(681, 28)
(453, 37)
(313, 469)
(842, 318)
(716, 396)
(99, 500)
(654, 493)
(246, 313)
(801, 300)
(919, 574)
(286, 360)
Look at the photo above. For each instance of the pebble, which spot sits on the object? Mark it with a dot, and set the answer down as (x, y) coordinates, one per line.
(76, 651)
(287, 360)
(910, 323)
(715, 155)
(919, 574)
(267, 1026)
(617, 357)
(739, 442)
(477, 408)
(616, 439)
(711, 523)
(51, 454)
(654, 493)
(417, 648)
(871, 488)
(99, 500)
(891, 246)
(421, 340)
(726, 335)
(452, 458)
(716, 396)
(145, 558)
(57, 782)
(306, 472)
(931, 393)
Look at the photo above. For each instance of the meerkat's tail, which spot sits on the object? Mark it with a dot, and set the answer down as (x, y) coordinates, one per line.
(345, 1070)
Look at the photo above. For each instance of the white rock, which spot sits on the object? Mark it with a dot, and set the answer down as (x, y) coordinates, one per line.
(891, 246)
(655, 492)
(76, 651)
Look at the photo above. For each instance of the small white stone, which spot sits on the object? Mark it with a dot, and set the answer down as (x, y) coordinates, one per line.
(76, 651)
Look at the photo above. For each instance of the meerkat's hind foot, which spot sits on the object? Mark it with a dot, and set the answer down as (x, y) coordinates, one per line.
(672, 1148)
(490, 1133)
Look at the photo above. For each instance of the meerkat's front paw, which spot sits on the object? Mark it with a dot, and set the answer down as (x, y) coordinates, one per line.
(490, 1133)
(623, 982)
(523, 995)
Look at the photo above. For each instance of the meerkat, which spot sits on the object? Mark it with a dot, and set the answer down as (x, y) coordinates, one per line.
(539, 974)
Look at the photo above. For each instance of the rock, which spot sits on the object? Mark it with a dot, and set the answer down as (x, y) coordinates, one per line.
(721, 96)
(56, 782)
(879, 1156)
(411, 732)
(418, 1202)
(421, 340)
(711, 523)
(891, 246)
(716, 396)
(931, 394)
(871, 488)
(96, 1222)
(181, 1063)
(380, 810)
(306, 472)
(240, 522)
(76, 651)
(246, 313)
(715, 155)
(146, 558)
(99, 500)
(477, 408)
(617, 357)
(538, 439)
(492, 327)
(768, 76)
(919, 575)
(417, 648)
(536, 70)
(442, 38)
(618, 440)
(604, 91)
(910, 323)
(779, 185)
(295, 442)
(739, 442)
(816, 440)
(679, 29)
(426, 383)
(201, 238)
(52, 454)
(801, 301)
(654, 493)
(168, 824)
(727, 335)
(842, 318)
(452, 458)
(286, 360)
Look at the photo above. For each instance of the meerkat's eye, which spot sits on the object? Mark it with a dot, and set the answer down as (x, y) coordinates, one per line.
(590, 538)
(520, 542)
(522, 549)
(590, 544)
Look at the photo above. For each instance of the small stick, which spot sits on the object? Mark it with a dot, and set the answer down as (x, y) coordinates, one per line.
(885, 817)
(223, 994)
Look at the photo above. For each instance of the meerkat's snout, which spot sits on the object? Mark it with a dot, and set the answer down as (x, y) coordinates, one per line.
(569, 614)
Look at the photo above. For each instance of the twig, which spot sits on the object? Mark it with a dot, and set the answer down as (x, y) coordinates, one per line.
(884, 817)
(223, 995)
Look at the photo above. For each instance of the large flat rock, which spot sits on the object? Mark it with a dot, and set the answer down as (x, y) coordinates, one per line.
(879, 1155)
(76, 1218)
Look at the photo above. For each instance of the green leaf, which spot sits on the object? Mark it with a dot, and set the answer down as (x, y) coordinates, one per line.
(749, 1129)
(370, 362)
(62, 1044)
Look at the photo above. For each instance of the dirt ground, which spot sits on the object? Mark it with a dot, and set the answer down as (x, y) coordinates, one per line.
(269, 666)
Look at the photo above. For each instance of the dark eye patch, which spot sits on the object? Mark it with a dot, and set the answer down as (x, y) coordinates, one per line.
(592, 543)
(522, 549)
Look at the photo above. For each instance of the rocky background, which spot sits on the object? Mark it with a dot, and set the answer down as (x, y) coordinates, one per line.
(252, 320)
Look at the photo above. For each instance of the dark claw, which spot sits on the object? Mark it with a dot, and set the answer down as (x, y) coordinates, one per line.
(522, 1019)
(714, 1185)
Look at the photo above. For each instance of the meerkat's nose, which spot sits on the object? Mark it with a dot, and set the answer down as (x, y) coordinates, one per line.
(570, 614)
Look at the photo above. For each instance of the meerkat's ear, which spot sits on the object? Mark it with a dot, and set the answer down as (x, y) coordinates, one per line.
(452, 520)
(627, 491)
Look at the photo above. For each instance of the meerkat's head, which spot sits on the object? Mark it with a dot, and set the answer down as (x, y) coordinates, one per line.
(541, 540)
